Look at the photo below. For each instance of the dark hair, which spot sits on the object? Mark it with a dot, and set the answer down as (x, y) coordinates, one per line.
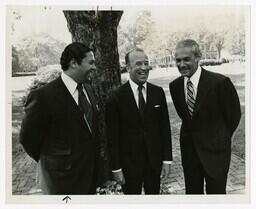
(190, 43)
(127, 56)
(76, 51)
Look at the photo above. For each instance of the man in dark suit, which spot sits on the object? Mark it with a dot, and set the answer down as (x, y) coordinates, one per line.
(138, 130)
(59, 130)
(209, 108)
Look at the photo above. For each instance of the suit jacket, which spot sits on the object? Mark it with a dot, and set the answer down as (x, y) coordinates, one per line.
(54, 133)
(128, 135)
(216, 115)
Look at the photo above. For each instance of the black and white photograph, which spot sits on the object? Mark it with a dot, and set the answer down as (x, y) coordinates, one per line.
(111, 102)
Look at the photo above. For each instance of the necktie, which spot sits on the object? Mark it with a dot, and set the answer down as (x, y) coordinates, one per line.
(190, 97)
(84, 105)
(142, 103)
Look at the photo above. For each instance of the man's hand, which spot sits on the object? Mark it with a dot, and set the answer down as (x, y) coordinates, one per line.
(119, 177)
(166, 170)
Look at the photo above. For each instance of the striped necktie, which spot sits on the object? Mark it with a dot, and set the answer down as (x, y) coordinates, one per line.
(190, 97)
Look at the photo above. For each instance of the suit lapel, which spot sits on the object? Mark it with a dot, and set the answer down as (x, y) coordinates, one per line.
(182, 99)
(150, 100)
(73, 109)
(202, 90)
(90, 95)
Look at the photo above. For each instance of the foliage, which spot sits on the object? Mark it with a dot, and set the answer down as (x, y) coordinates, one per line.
(211, 62)
(238, 44)
(35, 52)
(15, 60)
(110, 187)
(136, 34)
(43, 76)
(219, 40)
(224, 60)
(223, 32)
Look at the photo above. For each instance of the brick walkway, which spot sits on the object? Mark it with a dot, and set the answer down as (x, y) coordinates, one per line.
(24, 168)
(236, 176)
(24, 175)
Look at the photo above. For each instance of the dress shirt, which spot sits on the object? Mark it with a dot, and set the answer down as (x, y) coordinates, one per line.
(195, 80)
(135, 91)
(71, 86)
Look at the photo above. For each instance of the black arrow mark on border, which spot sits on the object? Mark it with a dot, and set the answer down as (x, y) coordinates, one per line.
(66, 198)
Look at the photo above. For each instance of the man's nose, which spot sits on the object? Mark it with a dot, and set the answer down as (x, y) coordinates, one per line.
(94, 67)
(182, 63)
(144, 66)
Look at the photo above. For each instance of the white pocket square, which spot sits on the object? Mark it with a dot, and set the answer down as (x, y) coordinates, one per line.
(156, 106)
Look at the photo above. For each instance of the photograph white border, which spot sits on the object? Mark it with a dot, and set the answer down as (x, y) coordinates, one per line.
(145, 199)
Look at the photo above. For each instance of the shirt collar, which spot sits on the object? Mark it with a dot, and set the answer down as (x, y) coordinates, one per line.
(134, 86)
(195, 77)
(69, 83)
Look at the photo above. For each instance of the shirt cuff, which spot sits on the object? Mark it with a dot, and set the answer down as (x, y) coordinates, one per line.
(167, 162)
(118, 170)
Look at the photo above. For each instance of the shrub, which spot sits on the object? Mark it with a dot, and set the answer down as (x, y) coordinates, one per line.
(210, 62)
(224, 60)
(110, 187)
(44, 75)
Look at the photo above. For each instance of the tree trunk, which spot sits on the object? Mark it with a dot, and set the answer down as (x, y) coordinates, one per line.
(219, 53)
(219, 45)
(219, 48)
(98, 29)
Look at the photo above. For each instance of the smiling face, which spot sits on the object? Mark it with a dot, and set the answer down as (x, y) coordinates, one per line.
(186, 61)
(138, 67)
(86, 68)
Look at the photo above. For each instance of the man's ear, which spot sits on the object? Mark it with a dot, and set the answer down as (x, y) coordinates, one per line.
(198, 59)
(128, 67)
(73, 63)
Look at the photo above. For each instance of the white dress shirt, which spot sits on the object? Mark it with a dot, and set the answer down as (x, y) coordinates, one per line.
(135, 91)
(195, 80)
(71, 86)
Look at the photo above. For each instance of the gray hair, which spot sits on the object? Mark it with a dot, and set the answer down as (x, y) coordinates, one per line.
(127, 56)
(190, 43)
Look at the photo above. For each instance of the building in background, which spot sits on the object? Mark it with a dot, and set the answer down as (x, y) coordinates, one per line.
(208, 50)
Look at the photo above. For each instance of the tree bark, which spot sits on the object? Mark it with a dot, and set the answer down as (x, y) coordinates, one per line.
(219, 45)
(98, 29)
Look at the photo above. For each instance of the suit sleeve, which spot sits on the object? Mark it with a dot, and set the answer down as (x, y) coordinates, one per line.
(112, 122)
(166, 130)
(172, 93)
(33, 126)
(230, 105)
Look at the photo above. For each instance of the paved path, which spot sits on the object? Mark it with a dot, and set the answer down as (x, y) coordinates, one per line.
(236, 176)
(24, 175)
